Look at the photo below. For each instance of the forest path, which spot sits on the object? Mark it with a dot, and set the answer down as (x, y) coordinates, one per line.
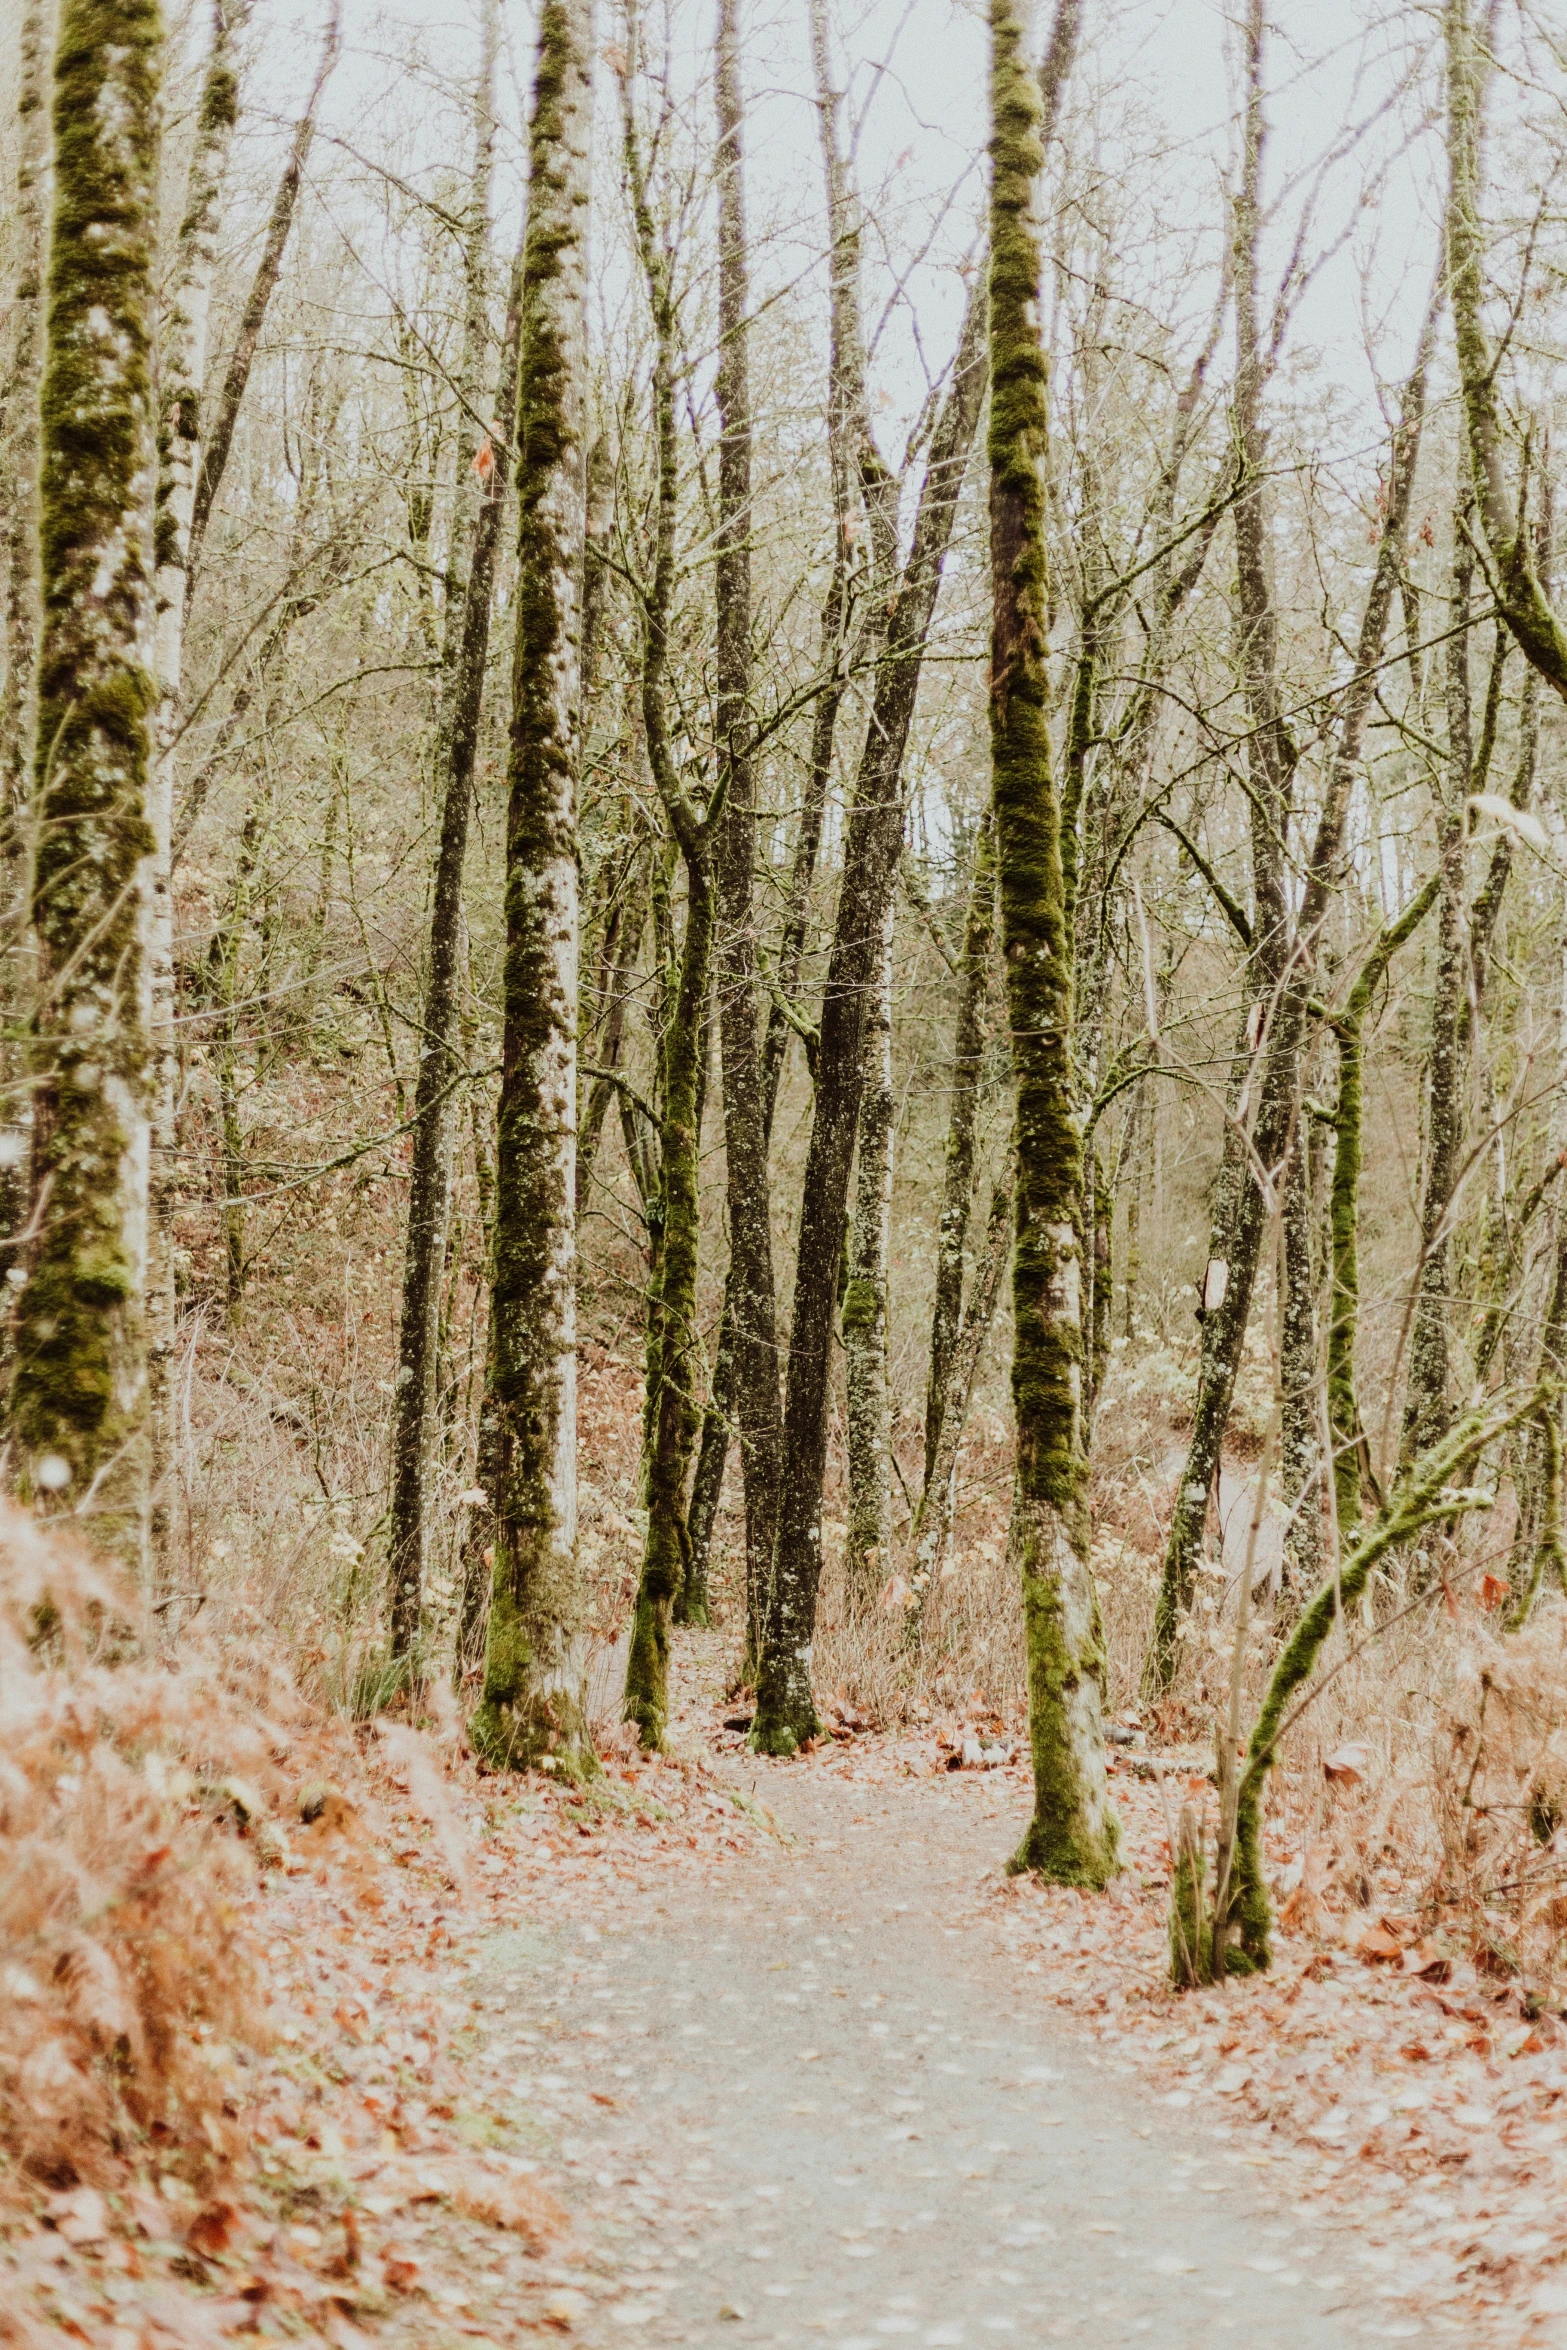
(831, 2112)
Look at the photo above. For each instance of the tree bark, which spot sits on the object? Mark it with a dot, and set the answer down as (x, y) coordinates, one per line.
(749, 1343)
(1300, 1378)
(535, 1674)
(182, 367)
(673, 1348)
(19, 453)
(864, 1309)
(931, 1534)
(873, 844)
(1351, 1456)
(1426, 1402)
(79, 1396)
(968, 1071)
(1072, 1836)
(470, 580)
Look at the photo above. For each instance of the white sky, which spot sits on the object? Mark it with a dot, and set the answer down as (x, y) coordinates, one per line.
(1156, 70)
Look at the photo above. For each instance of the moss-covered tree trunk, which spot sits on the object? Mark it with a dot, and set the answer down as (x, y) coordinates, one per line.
(79, 1397)
(19, 446)
(873, 844)
(535, 1671)
(19, 453)
(1072, 1835)
(182, 361)
(469, 588)
(969, 1042)
(868, 1401)
(1438, 1485)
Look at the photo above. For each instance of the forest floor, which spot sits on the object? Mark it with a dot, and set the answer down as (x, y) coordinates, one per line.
(726, 2051)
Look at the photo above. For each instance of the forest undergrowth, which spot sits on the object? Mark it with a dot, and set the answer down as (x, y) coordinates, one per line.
(245, 2080)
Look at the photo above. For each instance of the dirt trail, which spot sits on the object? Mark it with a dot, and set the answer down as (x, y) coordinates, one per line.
(804, 2068)
(841, 2117)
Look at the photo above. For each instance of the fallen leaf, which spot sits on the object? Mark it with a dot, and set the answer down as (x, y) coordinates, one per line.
(520, 2205)
(214, 2229)
(1377, 1946)
(401, 2271)
(1424, 1959)
(1347, 1765)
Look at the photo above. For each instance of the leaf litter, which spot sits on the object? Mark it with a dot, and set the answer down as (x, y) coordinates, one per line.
(400, 2159)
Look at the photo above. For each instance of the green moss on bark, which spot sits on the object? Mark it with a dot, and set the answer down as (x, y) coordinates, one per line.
(79, 1393)
(535, 1663)
(1072, 1836)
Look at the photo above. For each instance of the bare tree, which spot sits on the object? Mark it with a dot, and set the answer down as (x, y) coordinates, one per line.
(535, 1668)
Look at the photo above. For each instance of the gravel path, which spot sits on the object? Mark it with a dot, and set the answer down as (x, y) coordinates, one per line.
(822, 2112)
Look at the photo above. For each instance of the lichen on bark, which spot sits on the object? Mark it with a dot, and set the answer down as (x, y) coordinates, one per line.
(868, 1410)
(79, 1392)
(1072, 1836)
(535, 1672)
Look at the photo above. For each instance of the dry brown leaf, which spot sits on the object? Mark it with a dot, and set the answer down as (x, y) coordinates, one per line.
(214, 2229)
(520, 2205)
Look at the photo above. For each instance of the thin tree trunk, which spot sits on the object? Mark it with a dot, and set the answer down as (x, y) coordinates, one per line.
(535, 1675)
(219, 437)
(1426, 1403)
(480, 491)
(1072, 1837)
(750, 1343)
(1351, 1456)
(846, 429)
(968, 1071)
(873, 844)
(1300, 1374)
(19, 446)
(79, 1397)
(619, 977)
(864, 1309)
(470, 595)
(182, 367)
(931, 1533)
(673, 1344)
(19, 452)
